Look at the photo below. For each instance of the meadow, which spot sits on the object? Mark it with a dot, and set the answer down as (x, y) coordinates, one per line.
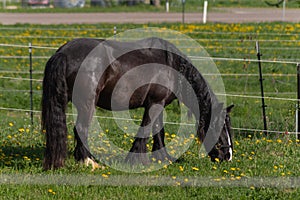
(265, 166)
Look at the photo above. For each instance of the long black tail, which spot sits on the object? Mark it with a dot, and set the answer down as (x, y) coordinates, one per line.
(54, 102)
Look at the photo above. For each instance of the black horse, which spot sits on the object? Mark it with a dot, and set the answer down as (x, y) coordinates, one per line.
(89, 78)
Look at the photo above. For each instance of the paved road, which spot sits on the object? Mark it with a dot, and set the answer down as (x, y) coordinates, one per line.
(225, 15)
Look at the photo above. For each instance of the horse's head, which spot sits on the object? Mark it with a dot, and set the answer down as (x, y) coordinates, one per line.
(223, 149)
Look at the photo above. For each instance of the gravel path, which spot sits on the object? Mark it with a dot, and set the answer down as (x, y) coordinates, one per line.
(225, 15)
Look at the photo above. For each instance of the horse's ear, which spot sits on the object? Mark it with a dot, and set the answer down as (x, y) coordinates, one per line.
(228, 109)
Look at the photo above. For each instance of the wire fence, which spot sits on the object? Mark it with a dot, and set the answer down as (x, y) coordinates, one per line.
(225, 59)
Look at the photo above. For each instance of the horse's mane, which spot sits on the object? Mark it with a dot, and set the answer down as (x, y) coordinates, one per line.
(207, 100)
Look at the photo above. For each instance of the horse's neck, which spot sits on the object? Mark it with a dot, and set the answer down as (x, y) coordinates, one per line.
(201, 108)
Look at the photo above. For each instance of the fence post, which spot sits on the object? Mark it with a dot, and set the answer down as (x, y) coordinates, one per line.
(30, 74)
(115, 32)
(167, 6)
(283, 11)
(298, 102)
(183, 4)
(205, 12)
(261, 88)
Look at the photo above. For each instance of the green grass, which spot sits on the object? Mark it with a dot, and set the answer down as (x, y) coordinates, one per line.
(274, 157)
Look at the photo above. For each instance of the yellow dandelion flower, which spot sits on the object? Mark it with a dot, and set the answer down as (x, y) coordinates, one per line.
(11, 124)
(181, 168)
(281, 166)
(217, 159)
(104, 175)
(279, 141)
(214, 167)
(21, 130)
(195, 168)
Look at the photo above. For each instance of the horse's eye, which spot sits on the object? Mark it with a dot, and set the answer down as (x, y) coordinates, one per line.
(218, 146)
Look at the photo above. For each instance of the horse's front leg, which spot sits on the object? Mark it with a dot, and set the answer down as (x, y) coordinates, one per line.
(138, 151)
(159, 151)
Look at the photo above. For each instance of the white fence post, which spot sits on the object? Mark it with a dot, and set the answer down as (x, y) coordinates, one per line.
(205, 12)
(167, 5)
(283, 10)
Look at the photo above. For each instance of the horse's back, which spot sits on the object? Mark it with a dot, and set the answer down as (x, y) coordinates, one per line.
(106, 61)
(79, 48)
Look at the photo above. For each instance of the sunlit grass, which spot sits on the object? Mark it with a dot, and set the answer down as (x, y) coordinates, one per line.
(255, 154)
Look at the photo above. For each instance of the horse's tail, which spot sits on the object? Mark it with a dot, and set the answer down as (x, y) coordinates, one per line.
(54, 102)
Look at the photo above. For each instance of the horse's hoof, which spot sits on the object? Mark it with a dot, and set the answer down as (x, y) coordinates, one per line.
(94, 164)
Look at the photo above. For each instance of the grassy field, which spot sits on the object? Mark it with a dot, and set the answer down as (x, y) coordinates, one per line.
(263, 167)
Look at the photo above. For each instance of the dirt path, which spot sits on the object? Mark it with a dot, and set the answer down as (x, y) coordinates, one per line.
(225, 15)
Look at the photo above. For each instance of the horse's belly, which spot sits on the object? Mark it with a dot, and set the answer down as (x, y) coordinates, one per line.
(119, 101)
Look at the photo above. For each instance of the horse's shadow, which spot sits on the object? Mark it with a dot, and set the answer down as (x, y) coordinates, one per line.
(20, 157)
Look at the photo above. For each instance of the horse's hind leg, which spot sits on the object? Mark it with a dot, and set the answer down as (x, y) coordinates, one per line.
(82, 152)
(159, 151)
